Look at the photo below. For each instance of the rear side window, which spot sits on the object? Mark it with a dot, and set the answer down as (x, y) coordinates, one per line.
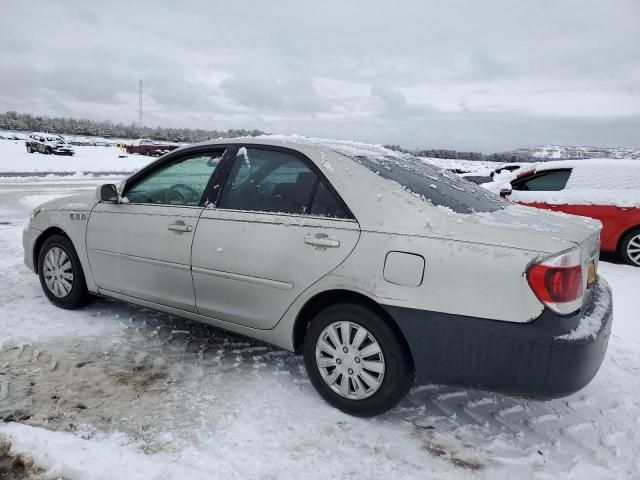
(545, 181)
(277, 182)
(325, 203)
(268, 181)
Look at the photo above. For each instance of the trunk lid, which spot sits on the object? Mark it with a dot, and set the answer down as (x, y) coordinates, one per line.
(530, 228)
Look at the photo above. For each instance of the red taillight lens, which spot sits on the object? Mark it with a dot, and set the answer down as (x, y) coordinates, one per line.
(558, 282)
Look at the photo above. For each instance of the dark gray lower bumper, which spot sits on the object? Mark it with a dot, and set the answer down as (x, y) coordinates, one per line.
(530, 359)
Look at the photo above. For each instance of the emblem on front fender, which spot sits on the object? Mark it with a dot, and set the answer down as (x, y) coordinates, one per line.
(78, 216)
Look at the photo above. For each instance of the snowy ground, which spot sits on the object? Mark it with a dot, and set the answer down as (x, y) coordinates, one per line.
(117, 391)
(14, 158)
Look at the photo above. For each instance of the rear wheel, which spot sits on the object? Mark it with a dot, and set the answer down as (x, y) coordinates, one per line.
(356, 361)
(29, 149)
(61, 274)
(630, 247)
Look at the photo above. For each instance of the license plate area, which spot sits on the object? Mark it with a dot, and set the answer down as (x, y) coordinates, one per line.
(592, 272)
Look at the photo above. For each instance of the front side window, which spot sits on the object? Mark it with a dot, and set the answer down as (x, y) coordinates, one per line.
(546, 181)
(180, 183)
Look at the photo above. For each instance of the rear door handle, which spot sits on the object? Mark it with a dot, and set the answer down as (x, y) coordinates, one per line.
(321, 240)
(180, 227)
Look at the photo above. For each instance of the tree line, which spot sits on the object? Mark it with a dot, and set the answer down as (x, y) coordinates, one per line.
(456, 155)
(27, 122)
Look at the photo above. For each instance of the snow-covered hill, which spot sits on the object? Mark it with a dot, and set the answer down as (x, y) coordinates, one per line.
(577, 151)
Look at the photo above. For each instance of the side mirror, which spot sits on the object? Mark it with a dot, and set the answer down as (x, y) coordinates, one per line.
(107, 193)
(505, 190)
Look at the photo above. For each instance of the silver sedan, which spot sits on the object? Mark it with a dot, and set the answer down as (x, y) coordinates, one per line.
(381, 269)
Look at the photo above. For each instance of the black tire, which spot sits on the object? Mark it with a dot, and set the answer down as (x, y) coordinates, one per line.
(29, 149)
(629, 241)
(48, 151)
(399, 373)
(78, 296)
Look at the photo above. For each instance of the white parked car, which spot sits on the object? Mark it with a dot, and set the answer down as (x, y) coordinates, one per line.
(48, 143)
(378, 267)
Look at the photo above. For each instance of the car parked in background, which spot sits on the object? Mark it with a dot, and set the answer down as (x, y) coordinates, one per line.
(607, 190)
(48, 143)
(506, 168)
(354, 255)
(151, 147)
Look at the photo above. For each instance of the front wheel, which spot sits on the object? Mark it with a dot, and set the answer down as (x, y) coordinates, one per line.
(355, 360)
(630, 248)
(29, 149)
(61, 274)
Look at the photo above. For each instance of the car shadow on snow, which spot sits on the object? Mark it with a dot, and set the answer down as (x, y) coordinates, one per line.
(161, 372)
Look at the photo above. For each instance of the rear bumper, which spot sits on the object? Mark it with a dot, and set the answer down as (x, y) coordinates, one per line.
(551, 357)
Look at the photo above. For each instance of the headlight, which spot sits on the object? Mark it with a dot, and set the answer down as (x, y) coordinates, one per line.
(35, 212)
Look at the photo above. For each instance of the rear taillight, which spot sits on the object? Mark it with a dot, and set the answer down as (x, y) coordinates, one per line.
(558, 282)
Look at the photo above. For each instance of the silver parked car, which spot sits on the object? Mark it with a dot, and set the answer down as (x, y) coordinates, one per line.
(48, 143)
(378, 267)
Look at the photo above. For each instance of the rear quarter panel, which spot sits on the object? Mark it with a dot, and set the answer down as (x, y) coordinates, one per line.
(460, 278)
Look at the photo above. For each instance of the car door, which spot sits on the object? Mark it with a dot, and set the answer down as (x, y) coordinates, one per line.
(276, 228)
(141, 247)
(538, 190)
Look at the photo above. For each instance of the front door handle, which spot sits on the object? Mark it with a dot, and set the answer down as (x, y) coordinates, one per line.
(321, 240)
(180, 227)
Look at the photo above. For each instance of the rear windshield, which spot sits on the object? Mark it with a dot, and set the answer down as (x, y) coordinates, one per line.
(433, 185)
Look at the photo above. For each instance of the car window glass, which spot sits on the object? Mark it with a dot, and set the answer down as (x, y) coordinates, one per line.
(325, 203)
(268, 181)
(179, 183)
(431, 184)
(551, 181)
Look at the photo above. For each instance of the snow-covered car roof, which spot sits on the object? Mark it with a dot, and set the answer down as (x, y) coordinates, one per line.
(42, 134)
(601, 181)
(601, 173)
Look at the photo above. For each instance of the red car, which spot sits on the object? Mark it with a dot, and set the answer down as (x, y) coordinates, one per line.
(151, 147)
(607, 190)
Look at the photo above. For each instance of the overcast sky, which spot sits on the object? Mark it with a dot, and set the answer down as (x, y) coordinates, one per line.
(480, 75)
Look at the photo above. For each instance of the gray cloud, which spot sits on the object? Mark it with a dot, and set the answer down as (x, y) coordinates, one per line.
(275, 92)
(464, 74)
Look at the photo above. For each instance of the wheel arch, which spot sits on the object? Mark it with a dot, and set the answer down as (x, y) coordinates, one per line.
(330, 297)
(42, 238)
